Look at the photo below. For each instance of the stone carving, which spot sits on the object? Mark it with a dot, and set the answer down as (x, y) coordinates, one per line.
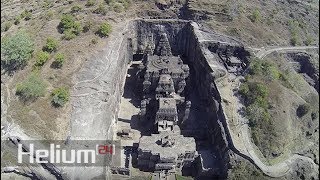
(164, 80)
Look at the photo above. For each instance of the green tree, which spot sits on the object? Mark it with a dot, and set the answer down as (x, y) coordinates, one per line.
(90, 3)
(69, 27)
(51, 45)
(87, 26)
(75, 9)
(104, 29)
(60, 96)
(17, 20)
(308, 41)
(255, 16)
(31, 88)
(16, 50)
(6, 26)
(42, 57)
(26, 15)
(100, 10)
(59, 60)
(67, 22)
(294, 40)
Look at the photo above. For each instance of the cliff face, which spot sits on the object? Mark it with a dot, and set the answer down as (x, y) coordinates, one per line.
(98, 89)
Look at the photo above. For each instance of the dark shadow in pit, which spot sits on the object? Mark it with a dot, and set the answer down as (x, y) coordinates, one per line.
(201, 116)
(131, 86)
(145, 128)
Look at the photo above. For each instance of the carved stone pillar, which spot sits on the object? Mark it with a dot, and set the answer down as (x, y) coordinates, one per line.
(143, 110)
(181, 86)
(186, 112)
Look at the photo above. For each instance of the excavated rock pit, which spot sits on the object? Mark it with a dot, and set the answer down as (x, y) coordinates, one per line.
(198, 48)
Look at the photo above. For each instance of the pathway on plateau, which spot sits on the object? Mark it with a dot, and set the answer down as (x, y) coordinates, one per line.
(263, 52)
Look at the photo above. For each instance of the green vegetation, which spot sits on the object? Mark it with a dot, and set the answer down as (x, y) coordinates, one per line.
(42, 57)
(51, 45)
(179, 177)
(255, 91)
(308, 41)
(244, 170)
(104, 30)
(255, 16)
(47, 4)
(26, 15)
(32, 88)
(59, 97)
(6, 26)
(303, 109)
(75, 9)
(59, 60)
(68, 35)
(16, 50)
(69, 27)
(117, 7)
(17, 20)
(87, 26)
(269, 71)
(90, 3)
(100, 10)
(293, 28)
(48, 16)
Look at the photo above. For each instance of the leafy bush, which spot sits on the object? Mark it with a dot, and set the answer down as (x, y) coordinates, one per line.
(75, 9)
(308, 41)
(59, 60)
(117, 7)
(42, 57)
(265, 69)
(69, 26)
(67, 22)
(100, 10)
(32, 88)
(104, 29)
(60, 96)
(254, 93)
(16, 50)
(17, 20)
(26, 15)
(51, 45)
(6, 26)
(303, 109)
(68, 35)
(87, 26)
(48, 15)
(293, 28)
(109, 1)
(294, 40)
(90, 3)
(255, 16)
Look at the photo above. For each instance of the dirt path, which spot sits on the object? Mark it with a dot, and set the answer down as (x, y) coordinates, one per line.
(263, 52)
